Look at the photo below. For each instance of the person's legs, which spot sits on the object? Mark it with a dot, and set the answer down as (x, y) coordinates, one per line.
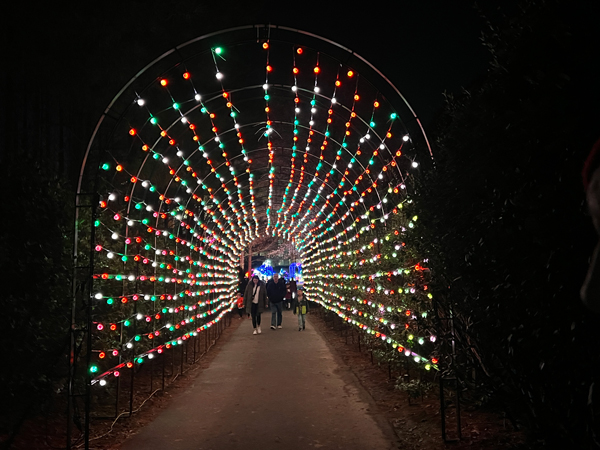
(279, 313)
(303, 320)
(273, 315)
(258, 318)
(254, 313)
(299, 321)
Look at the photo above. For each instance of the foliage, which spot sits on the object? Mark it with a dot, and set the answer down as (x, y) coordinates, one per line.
(503, 228)
(35, 299)
(415, 388)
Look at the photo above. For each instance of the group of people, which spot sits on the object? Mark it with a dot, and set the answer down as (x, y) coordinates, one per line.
(258, 297)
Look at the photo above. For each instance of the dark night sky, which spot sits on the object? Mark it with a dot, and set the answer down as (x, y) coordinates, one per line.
(423, 47)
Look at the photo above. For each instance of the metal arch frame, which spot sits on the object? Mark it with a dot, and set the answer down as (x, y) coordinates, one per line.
(94, 175)
(231, 30)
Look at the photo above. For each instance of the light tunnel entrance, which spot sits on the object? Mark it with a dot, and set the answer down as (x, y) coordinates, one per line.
(222, 145)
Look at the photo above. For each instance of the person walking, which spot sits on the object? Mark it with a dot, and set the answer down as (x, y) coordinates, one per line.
(301, 308)
(256, 301)
(240, 304)
(276, 293)
(292, 288)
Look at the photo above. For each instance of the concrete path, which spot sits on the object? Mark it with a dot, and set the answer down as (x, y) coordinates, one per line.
(281, 389)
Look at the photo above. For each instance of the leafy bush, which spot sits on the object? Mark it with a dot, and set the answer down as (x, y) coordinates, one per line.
(503, 226)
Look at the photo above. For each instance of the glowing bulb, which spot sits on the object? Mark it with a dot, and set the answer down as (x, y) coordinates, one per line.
(98, 296)
(219, 76)
(197, 97)
(405, 138)
(140, 101)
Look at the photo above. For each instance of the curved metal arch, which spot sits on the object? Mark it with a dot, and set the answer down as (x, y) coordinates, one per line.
(231, 30)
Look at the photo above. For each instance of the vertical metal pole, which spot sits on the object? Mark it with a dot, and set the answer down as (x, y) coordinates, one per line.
(249, 261)
(442, 408)
(89, 309)
(164, 365)
(119, 378)
(181, 365)
(72, 329)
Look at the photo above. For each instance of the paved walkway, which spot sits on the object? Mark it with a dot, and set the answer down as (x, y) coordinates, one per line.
(282, 389)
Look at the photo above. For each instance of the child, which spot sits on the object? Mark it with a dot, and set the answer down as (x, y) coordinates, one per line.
(240, 304)
(301, 308)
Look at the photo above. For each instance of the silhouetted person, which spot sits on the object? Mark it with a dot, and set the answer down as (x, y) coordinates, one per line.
(590, 291)
(255, 301)
(300, 306)
(276, 293)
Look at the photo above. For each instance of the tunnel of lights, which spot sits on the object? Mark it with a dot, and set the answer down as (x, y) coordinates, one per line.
(229, 142)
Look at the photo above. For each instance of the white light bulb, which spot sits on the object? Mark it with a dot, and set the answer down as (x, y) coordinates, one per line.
(140, 101)
(110, 255)
(294, 88)
(112, 197)
(183, 120)
(130, 223)
(103, 382)
(131, 277)
(165, 160)
(317, 89)
(98, 296)
(415, 164)
(145, 184)
(313, 110)
(114, 236)
(333, 100)
(148, 208)
(129, 345)
(139, 316)
(219, 76)
(297, 110)
(405, 138)
(265, 86)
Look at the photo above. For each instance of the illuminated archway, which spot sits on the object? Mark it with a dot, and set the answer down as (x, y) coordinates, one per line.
(250, 132)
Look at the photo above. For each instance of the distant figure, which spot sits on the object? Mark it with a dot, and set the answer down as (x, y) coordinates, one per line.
(300, 306)
(240, 304)
(291, 292)
(244, 284)
(276, 293)
(255, 301)
(590, 291)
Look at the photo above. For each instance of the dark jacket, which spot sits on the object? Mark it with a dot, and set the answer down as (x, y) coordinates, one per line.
(300, 306)
(262, 297)
(276, 292)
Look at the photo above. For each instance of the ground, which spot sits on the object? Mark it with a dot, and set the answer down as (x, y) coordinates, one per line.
(417, 423)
